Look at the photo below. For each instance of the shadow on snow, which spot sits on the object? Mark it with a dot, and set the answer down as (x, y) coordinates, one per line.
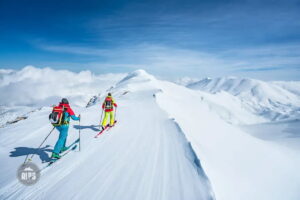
(26, 151)
(93, 127)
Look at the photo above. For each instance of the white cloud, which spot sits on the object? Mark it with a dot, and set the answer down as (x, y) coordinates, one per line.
(32, 86)
(156, 59)
(74, 50)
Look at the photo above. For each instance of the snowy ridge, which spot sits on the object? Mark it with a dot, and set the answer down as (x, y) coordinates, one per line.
(124, 86)
(230, 157)
(271, 100)
(170, 142)
(145, 156)
(195, 159)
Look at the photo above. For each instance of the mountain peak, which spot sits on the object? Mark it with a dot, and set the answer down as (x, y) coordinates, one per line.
(140, 72)
(137, 75)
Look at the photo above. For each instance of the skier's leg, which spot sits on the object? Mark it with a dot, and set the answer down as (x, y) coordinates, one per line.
(65, 143)
(62, 139)
(105, 119)
(112, 119)
(64, 148)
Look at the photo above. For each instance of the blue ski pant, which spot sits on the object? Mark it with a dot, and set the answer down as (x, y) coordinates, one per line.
(61, 142)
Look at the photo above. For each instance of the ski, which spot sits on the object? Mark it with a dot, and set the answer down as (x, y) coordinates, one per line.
(52, 161)
(65, 153)
(111, 126)
(107, 128)
(71, 147)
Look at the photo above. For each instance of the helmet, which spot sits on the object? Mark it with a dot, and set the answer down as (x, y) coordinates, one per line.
(65, 101)
(109, 94)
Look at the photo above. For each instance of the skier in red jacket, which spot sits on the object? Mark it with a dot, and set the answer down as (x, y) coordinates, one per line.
(108, 107)
(63, 128)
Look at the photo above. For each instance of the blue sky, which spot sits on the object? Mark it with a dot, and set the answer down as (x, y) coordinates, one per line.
(169, 38)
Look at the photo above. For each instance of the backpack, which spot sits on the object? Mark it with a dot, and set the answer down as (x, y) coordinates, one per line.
(56, 117)
(108, 103)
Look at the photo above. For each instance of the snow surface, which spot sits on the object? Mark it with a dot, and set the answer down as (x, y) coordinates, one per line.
(170, 142)
(285, 132)
(145, 156)
(239, 166)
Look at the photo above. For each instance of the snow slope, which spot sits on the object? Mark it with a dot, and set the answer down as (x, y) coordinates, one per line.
(271, 100)
(145, 156)
(238, 165)
(169, 143)
(285, 132)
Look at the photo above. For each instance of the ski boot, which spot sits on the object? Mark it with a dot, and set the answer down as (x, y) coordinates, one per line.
(102, 128)
(112, 124)
(55, 156)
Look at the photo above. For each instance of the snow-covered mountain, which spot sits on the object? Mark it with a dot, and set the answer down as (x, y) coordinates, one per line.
(170, 142)
(186, 81)
(270, 100)
(292, 86)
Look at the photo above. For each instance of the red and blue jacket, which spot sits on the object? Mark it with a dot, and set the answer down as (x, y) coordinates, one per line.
(69, 113)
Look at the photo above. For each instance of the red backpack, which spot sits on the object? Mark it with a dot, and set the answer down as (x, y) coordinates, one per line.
(56, 117)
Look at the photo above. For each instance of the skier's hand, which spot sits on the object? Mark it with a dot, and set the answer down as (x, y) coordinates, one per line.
(79, 116)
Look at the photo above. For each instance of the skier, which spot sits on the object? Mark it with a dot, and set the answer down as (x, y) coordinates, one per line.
(108, 107)
(68, 113)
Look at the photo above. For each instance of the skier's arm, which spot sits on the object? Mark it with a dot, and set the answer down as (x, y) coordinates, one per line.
(114, 103)
(72, 115)
(75, 118)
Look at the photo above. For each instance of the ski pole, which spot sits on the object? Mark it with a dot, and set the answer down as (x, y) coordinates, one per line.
(32, 155)
(115, 114)
(101, 118)
(79, 131)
